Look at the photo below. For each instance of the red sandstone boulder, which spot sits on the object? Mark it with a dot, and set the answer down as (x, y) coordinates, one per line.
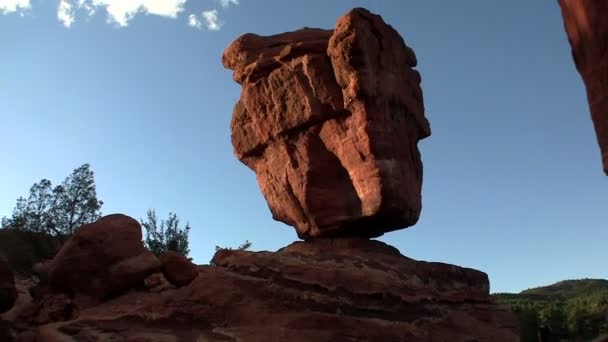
(157, 282)
(8, 292)
(103, 259)
(319, 290)
(178, 270)
(587, 29)
(329, 121)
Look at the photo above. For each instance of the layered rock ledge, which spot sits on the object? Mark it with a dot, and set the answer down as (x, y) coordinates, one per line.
(329, 120)
(320, 290)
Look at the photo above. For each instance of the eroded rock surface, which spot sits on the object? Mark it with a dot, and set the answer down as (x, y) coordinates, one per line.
(320, 290)
(329, 121)
(102, 259)
(587, 30)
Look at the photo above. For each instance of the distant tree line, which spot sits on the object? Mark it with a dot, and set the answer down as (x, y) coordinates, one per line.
(562, 315)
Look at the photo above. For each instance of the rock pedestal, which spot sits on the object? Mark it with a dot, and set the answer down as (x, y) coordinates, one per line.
(330, 121)
(321, 290)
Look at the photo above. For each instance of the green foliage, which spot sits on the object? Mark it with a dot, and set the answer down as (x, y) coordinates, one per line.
(242, 247)
(58, 211)
(166, 235)
(572, 309)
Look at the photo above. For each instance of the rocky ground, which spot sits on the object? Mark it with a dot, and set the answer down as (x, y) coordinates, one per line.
(347, 289)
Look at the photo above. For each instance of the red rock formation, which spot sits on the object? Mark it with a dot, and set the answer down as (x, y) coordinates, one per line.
(103, 259)
(178, 270)
(320, 290)
(329, 121)
(8, 292)
(587, 28)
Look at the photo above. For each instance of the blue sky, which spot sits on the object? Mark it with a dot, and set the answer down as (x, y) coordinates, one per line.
(513, 184)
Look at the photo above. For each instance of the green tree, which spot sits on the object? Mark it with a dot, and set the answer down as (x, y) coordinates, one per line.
(76, 201)
(60, 210)
(166, 235)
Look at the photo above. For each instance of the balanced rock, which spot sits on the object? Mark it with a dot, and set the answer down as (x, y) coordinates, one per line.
(329, 120)
(587, 30)
(178, 270)
(103, 259)
(8, 292)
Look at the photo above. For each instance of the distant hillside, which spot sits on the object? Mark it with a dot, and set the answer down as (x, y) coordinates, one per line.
(570, 310)
(569, 288)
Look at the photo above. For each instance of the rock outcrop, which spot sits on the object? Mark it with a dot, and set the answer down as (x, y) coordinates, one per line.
(329, 121)
(8, 292)
(177, 269)
(102, 259)
(321, 290)
(587, 29)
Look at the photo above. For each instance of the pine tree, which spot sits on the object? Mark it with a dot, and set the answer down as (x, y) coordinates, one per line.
(76, 201)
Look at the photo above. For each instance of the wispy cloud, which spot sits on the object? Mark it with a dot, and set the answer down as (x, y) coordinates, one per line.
(121, 12)
(212, 21)
(227, 3)
(9, 6)
(194, 21)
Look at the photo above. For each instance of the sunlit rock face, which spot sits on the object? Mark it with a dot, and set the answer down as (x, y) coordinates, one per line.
(329, 120)
(586, 23)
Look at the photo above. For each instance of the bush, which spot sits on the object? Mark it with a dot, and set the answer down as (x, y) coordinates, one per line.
(166, 235)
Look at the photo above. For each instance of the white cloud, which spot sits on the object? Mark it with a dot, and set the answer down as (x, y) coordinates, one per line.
(87, 7)
(8, 6)
(194, 21)
(226, 3)
(212, 21)
(121, 11)
(66, 13)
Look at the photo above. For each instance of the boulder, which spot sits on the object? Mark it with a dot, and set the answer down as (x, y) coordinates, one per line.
(8, 292)
(587, 30)
(177, 269)
(329, 120)
(157, 283)
(320, 290)
(102, 259)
